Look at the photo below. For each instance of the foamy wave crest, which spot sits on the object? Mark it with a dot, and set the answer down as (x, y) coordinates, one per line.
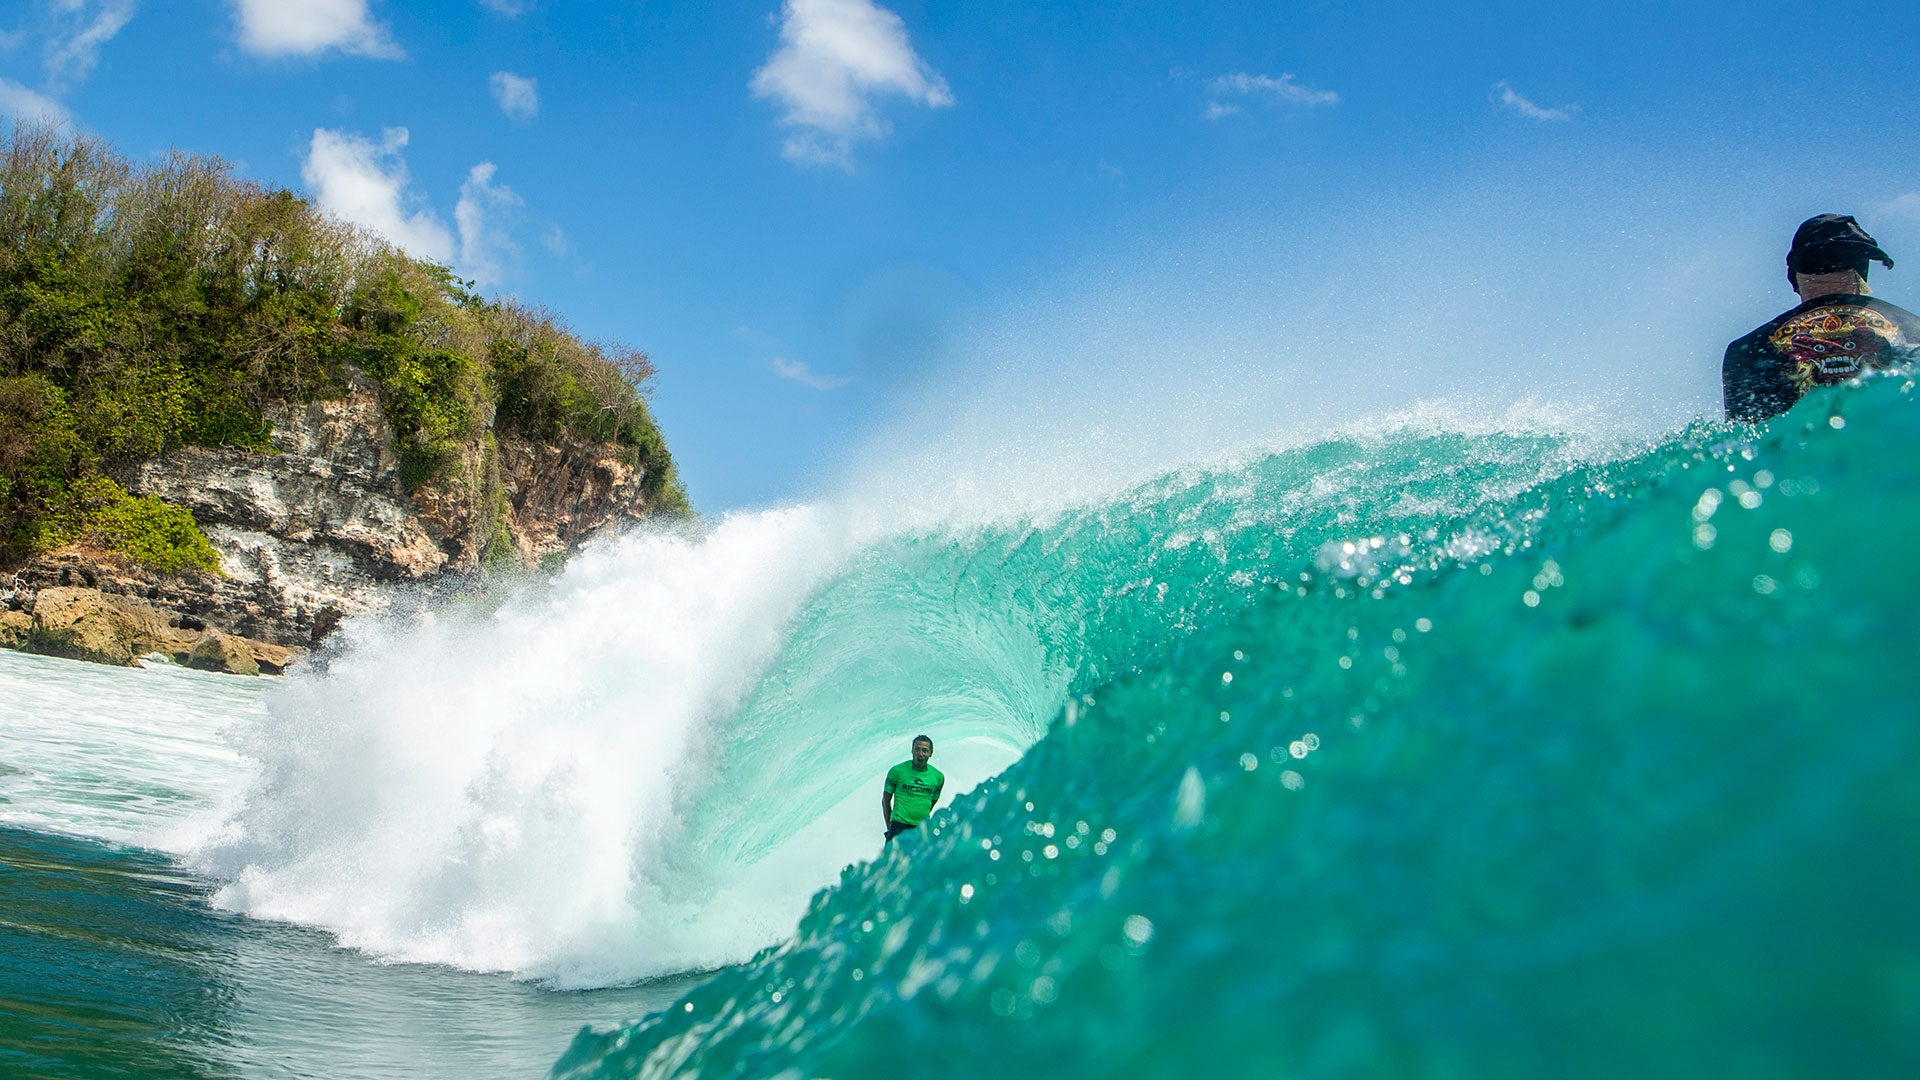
(504, 791)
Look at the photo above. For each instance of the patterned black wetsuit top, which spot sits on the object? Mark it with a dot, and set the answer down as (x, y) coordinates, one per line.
(1826, 340)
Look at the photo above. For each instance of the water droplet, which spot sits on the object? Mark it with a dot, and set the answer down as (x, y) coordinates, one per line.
(1704, 536)
(1346, 662)
(1138, 928)
(1190, 805)
(1781, 541)
(1292, 781)
(1530, 598)
(1249, 762)
(1226, 678)
(1836, 422)
(1297, 748)
(1051, 851)
(1423, 624)
(1311, 741)
(966, 893)
(1765, 585)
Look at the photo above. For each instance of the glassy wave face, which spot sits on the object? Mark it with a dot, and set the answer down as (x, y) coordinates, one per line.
(1416, 753)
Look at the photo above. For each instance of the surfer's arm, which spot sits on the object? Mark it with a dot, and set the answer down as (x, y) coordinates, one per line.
(886, 806)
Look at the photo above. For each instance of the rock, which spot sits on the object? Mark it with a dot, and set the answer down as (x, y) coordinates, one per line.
(86, 624)
(216, 651)
(15, 628)
(273, 659)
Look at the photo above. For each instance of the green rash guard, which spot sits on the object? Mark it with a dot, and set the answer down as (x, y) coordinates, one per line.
(914, 791)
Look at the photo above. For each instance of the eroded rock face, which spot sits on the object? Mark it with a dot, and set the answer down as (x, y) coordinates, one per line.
(306, 535)
(559, 493)
(322, 529)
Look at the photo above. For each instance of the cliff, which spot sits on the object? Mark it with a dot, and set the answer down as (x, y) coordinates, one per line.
(312, 530)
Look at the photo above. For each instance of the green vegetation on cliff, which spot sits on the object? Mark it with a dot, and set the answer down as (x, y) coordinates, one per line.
(144, 308)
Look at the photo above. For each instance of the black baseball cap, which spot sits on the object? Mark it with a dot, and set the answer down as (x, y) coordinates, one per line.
(1832, 242)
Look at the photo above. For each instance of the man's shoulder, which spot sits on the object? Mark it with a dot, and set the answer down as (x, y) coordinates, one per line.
(1909, 322)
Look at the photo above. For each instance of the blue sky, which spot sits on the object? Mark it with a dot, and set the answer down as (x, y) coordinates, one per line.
(837, 225)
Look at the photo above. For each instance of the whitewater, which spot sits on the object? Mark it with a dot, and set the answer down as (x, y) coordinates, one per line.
(1425, 747)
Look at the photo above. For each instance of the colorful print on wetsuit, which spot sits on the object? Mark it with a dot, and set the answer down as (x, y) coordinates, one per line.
(1831, 344)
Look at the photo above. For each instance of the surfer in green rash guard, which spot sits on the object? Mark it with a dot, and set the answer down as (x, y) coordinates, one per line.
(1837, 332)
(912, 790)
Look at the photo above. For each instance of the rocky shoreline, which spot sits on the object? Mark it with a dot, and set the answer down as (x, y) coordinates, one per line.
(315, 531)
(88, 624)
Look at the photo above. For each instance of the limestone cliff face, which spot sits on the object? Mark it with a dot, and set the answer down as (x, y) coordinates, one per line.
(322, 528)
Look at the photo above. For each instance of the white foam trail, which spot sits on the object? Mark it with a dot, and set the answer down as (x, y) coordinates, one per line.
(498, 792)
(126, 755)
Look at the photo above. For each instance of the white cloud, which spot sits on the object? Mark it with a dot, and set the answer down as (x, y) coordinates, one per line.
(12, 39)
(554, 239)
(86, 27)
(365, 182)
(518, 96)
(1281, 88)
(30, 106)
(1504, 95)
(310, 27)
(1906, 206)
(835, 58)
(799, 372)
(509, 8)
(487, 250)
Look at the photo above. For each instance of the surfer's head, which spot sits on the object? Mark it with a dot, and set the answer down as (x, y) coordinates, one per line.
(1833, 249)
(922, 751)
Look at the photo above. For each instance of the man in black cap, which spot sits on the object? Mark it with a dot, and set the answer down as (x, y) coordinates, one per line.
(1837, 331)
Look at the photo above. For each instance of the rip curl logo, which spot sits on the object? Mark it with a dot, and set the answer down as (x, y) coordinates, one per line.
(1831, 344)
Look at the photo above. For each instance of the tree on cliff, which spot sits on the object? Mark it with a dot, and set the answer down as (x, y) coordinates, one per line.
(148, 307)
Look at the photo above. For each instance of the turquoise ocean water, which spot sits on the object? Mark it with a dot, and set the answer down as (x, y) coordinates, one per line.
(1406, 752)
